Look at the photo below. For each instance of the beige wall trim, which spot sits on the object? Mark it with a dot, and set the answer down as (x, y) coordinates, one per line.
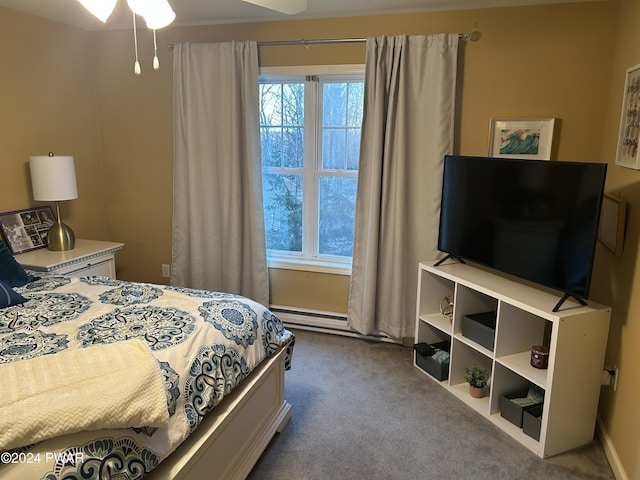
(610, 451)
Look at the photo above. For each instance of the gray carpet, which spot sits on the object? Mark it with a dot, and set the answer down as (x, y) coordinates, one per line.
(362, 411)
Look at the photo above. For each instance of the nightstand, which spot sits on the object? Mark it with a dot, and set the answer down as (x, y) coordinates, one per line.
(89, 257)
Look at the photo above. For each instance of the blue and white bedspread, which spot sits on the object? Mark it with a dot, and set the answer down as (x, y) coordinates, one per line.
(205, 343)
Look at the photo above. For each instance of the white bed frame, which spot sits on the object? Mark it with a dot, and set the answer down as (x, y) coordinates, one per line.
(229, 441)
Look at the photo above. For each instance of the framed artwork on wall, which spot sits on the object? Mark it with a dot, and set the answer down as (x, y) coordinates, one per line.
(612, 223)
(25, 230)
(627, 147)
(521, 138)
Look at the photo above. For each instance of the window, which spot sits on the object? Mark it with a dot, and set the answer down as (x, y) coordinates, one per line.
(310, 132)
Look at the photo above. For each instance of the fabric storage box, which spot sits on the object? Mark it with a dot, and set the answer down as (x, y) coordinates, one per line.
(532, 421)
(481, 328)
(425, 360)
(514, 411)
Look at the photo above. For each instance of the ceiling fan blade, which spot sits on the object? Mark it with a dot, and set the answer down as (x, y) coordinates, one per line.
(290, 7)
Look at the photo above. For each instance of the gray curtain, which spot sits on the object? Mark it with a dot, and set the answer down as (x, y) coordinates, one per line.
(218, 227)
(408, 124)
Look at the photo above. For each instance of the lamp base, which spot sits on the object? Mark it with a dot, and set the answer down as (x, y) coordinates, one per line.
(61, 237)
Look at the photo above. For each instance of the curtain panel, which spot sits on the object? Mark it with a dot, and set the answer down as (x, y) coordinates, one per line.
(218, 227)
(408, 127)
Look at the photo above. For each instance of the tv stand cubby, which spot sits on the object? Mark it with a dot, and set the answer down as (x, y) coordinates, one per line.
(576, 336)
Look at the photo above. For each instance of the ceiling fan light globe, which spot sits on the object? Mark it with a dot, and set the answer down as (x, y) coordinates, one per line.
(101, 9)
(160, 17)
(157, 13)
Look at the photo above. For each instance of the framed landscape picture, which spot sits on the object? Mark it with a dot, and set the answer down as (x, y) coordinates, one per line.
(25, 230)
(521, 138)
(627, 148)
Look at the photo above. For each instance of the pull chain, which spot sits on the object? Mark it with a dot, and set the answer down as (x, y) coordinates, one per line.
(156, 62)
(136, 65)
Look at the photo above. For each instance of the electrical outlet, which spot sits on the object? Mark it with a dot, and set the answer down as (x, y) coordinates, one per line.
(614, 380)
(166, 270)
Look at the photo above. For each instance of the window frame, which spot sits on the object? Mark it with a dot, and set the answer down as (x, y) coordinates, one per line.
(311, 170)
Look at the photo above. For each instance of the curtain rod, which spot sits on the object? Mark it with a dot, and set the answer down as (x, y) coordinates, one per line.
(470, 37)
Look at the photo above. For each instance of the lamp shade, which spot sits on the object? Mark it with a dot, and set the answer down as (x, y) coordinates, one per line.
(53, 177)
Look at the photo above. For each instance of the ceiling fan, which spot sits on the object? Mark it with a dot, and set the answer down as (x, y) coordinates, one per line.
(158, 14)
(290, 7)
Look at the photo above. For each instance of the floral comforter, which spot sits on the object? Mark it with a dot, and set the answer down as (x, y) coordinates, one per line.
(205, 344)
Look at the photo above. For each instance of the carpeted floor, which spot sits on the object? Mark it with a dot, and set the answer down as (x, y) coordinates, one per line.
(362, 411)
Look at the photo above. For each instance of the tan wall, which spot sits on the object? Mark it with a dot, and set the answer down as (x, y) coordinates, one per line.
(316, 291)
(616, 280)
(47, 104)
(73, 92)
(525, 64)
(136, 141)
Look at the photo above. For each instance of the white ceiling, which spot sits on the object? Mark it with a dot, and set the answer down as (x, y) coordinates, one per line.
(205, 12)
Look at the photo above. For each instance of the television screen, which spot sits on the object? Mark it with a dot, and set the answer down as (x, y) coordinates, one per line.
(535, 219)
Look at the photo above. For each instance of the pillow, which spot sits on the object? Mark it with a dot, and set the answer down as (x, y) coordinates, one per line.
(11, 272)
(8, 297)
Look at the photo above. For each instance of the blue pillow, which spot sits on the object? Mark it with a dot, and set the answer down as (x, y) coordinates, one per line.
(8, 297)
(11, 272)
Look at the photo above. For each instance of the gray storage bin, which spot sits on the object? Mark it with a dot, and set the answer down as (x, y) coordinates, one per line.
(513, 411)
(532, 421)
(433, 367)
(481, 328)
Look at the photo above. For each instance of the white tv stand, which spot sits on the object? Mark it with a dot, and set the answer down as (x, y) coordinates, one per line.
(576, 336)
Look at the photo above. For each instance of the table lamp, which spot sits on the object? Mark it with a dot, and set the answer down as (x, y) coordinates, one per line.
(53, 178)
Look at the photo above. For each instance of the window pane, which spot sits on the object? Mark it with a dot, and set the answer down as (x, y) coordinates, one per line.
(271, 142)
(270, 104)
(293, 104)
(282, 124)
(336, 205)
(293, 147)
(353, 148)
(334, 108)
(355, 104)
(333, 149)
(342, 120)
(282, 195)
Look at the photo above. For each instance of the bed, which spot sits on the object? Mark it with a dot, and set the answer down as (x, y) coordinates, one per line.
(193, 388)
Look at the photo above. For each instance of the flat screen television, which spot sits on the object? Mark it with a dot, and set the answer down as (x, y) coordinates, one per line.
(534, 219)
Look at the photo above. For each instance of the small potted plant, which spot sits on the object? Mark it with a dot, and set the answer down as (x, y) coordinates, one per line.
(477, 378)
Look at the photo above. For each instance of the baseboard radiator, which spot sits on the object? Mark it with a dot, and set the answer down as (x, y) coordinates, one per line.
(320, 321)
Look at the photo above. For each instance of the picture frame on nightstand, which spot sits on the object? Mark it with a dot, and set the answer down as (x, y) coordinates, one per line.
(26, 230)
